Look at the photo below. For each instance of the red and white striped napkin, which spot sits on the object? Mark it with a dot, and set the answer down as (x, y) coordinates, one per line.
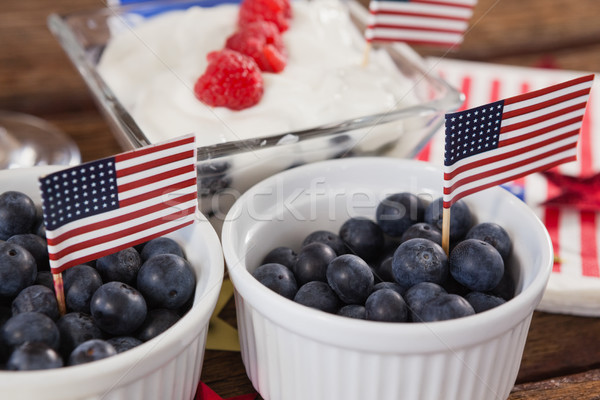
(572, 190)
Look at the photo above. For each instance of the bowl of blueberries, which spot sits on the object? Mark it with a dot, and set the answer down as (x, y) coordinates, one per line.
(343, 290)
(135, 323)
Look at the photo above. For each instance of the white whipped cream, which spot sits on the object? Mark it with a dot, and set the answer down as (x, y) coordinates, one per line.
(152, 69)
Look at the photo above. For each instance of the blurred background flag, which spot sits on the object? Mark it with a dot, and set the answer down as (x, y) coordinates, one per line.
(104, 206)
(501, 141)
(440, 23)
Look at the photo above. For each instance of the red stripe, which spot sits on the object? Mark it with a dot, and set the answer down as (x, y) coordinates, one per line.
(551, 220)
(448, 204)
(153, 149)
(505, 168)
(589, 250)
(550, 89)
(524, 89)
(157, 192)
(415, 28)
(542, 118)
(80, 230)
(121, 172)
(121, 233)
(508, 154)
(544, 104)
(97, 255)
(588, 219)
(495, 91)
(124, 187)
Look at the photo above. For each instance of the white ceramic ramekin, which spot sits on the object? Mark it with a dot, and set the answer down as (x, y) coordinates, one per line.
(292, 352)
(166, 367)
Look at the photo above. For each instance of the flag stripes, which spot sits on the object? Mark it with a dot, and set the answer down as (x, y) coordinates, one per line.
(156, 193)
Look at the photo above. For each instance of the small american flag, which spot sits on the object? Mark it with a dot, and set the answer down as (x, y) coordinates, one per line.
(431, 22)
(507, 139)
(104, 206)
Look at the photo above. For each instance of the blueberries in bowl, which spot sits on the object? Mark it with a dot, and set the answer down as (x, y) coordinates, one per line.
(106, 312)
(415, 282)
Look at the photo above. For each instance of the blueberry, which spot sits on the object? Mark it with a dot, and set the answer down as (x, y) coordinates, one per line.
(212, 178)
(34, 245)
(161, 245)
(391, 285)
(118, 308)
(444, 307)
(419, 260)
(494, 234)
(329, 238)
(386, 305)
(17, 269)
(311, 263)
(356, 311)
(317, 294)
(351, 278)
(422, 230)
(363, 237)
(397, 212)
(122, 266)
(476, 264)
(461, 219)
(278, 278)
(92, 350)
(506, 288)
(17, 214)
(383, 270)
(76, 328)
(281, 255)
(36, 298)
(166, 281)
(483, 301)
(45, 278)
(418, 295)
(124, 343)
(157, 321)
(32, 356)
(80, 284)
(30, 327)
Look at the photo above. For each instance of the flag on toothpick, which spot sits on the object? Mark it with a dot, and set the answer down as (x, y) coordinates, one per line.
(100, 207)
(439, 23)
(507, 139)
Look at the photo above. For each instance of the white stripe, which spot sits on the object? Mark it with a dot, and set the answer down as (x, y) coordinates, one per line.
(508, 174)
(548, 96)
(432, 9)
(52, 234)
(156, 185)
(127, 239)
(159, 215)
(511, 160)
(430, 23)
(408, 35)
(141, 159)
(540, 125)
(153, 172)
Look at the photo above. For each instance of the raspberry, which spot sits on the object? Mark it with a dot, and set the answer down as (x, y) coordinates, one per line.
(276, 11)
(262, 41)
(231, 80)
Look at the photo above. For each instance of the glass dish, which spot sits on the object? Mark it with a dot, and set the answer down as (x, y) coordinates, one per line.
(225, 170)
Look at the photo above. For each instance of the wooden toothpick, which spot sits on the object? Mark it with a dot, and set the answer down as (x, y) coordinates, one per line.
(446, 230)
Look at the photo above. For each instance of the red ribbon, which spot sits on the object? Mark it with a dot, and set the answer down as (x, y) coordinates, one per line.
(206, 393)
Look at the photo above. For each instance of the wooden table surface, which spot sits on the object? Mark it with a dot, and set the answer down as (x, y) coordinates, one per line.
(562, 353)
